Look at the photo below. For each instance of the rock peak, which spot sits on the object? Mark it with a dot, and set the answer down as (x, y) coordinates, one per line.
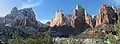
(14, 9)
(59, 20)
(78, 6)
(59, 11)
(78, 17)
(27, 9)
(106, 16)
(104, 6)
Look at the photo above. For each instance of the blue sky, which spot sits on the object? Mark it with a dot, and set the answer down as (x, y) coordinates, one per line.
(45, 9)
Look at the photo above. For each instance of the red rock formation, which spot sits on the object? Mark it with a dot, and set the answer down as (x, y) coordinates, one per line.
(106, 16)
(78, 18)
(59, 20)
(89, 20)
(96, 32)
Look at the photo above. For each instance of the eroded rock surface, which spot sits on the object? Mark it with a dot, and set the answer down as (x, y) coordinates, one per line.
(78, 18)
(106, 16)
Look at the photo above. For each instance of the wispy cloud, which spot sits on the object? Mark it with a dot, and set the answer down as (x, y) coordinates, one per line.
(44, 21)
(7, 5)
(31, 3)
(116, 2)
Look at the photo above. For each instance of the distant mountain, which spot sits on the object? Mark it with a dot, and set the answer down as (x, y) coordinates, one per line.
(20, 22)
(23, 17)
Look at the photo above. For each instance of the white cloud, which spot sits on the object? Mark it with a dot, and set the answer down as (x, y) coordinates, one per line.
(116, 2)
(7, 5)
(31, 3)
(44, 21)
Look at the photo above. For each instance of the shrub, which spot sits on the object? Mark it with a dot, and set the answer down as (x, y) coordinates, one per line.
(111, 39)
(16, 40)
(35, 39)
(39, 40)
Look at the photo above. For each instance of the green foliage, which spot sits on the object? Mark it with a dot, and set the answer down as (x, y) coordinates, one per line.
(118, 21)
(39, 40)
(118, 29)
(16, 40)
(74, 41)
(118, 25)
(35, 39)
(111, 39)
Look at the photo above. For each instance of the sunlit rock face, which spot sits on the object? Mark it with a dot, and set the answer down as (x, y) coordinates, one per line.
(22, 21)
(106, 16)
(78, 18)
(59, 20)
(89, 20)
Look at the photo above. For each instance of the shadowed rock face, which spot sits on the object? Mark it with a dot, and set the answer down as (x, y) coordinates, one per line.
(9, 17)
(25, 17)
(106, 16)
(78, 18)
(88, 20)
(1, 20)
(13, 13)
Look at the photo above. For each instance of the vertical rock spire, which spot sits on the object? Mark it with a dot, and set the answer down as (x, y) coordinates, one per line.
(78, 18)
(106, 16)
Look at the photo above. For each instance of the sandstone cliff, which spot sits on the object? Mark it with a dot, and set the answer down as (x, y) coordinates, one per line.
(106, 16)
(78, 18)
(59, 20)
(89, 20)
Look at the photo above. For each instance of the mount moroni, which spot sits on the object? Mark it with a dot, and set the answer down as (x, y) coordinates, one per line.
(18, 26)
